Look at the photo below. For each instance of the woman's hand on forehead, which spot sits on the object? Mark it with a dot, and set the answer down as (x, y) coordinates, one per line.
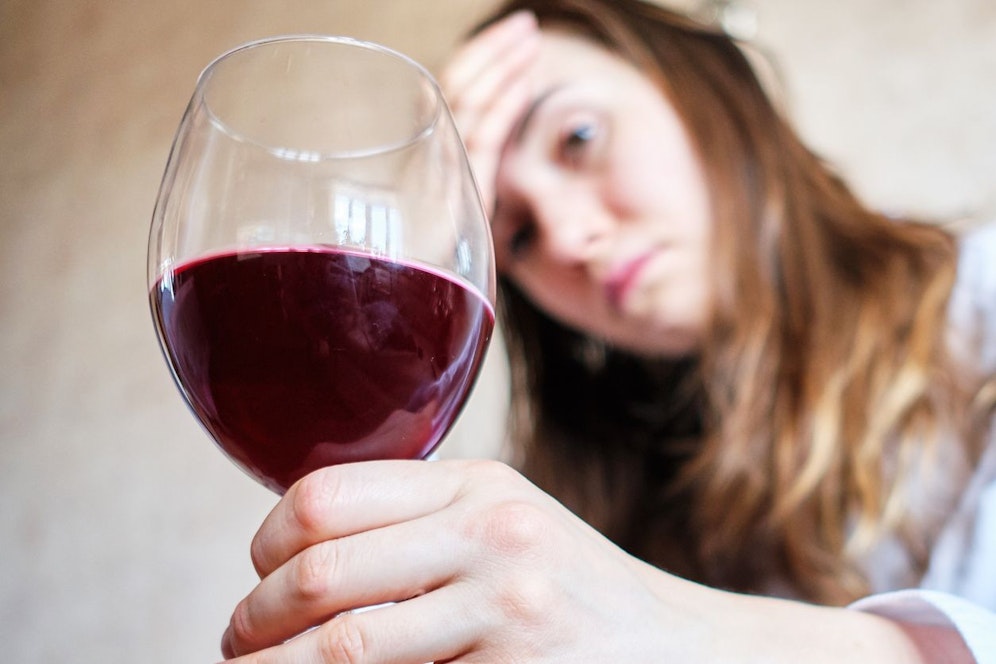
(488, 87)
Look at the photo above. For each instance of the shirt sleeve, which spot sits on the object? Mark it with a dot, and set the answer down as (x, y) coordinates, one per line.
(959, 589)
(976, 624)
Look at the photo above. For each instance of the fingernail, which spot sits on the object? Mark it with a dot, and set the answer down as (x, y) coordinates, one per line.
(523, 18)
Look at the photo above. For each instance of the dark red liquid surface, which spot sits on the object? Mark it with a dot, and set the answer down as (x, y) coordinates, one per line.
(295, 359)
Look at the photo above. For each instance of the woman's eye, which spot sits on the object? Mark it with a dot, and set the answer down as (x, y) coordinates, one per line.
(577, 140)
(521, 239)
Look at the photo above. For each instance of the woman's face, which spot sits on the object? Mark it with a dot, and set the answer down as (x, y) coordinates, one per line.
(602, 215)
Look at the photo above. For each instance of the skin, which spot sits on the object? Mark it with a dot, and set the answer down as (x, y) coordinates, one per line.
(472, 554)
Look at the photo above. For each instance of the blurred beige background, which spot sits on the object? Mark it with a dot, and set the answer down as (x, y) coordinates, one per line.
(123, 532)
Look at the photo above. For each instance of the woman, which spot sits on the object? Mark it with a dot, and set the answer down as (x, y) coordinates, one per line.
(764, 400)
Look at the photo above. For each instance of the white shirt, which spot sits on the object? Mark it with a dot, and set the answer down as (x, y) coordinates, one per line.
(959, 587)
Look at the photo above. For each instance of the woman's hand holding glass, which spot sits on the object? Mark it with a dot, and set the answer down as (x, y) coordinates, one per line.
(482, 566)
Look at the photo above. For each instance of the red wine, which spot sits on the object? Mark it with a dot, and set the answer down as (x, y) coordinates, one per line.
(297, 358)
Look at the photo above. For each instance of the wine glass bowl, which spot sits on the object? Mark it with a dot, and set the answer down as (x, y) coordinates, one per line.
(321, 271)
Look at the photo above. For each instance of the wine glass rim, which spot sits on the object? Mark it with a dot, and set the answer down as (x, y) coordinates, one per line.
(303, 155)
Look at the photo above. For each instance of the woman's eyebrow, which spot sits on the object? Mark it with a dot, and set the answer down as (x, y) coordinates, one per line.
(522, 126)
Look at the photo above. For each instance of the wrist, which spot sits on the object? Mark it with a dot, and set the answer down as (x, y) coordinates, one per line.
(720, 626)
(777, 630)
(744, 629)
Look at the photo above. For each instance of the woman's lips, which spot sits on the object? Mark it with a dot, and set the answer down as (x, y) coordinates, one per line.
(623, 277)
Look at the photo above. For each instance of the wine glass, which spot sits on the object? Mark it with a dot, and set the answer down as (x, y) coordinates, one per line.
(320, 266)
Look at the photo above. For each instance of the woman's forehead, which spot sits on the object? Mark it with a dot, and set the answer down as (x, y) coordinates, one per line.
(567, 52)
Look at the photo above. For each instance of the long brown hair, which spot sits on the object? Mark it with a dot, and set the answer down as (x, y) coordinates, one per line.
(785, 449)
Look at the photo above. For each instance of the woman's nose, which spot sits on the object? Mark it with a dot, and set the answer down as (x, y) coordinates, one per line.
(572, 227)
